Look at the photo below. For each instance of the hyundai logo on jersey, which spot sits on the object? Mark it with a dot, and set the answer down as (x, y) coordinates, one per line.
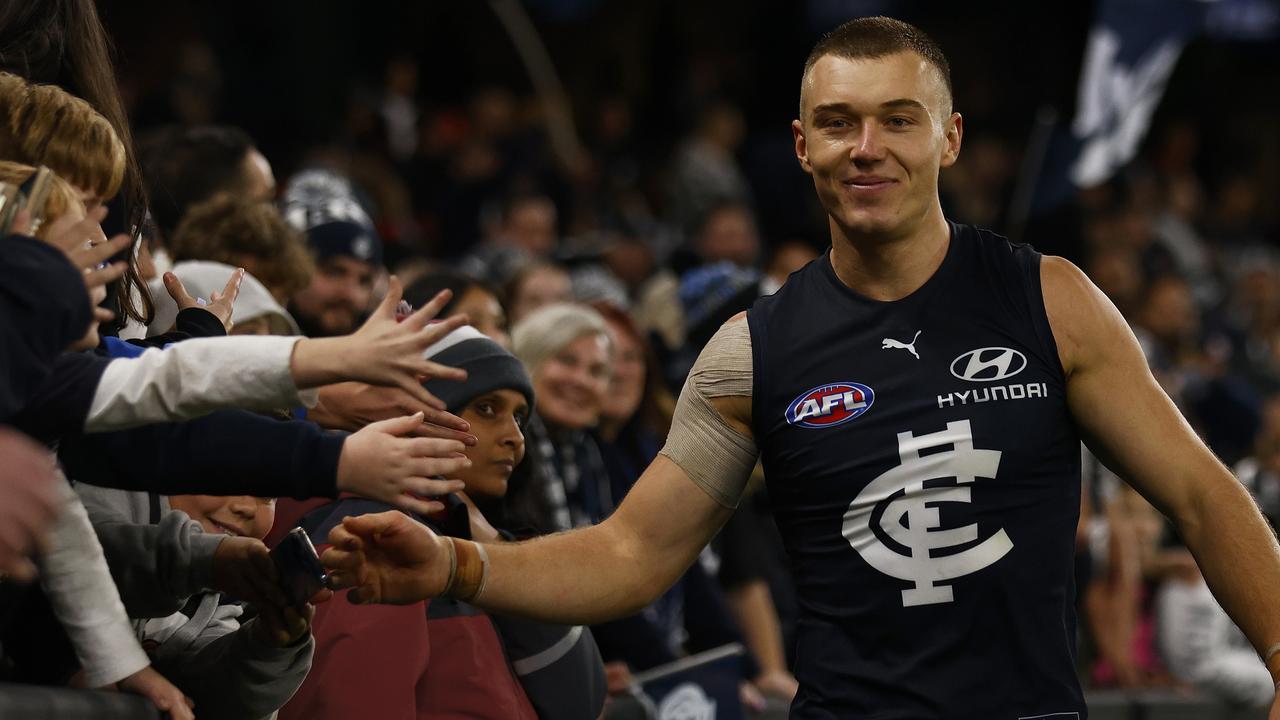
(988, 364)
(830, 405)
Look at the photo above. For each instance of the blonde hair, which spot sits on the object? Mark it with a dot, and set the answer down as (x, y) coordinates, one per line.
(548, 330)
(62, 197)
(45, 125)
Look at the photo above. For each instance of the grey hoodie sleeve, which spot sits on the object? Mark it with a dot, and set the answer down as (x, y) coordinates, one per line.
(157, 567)
(78, 584)
(551, 659)
(225, 669)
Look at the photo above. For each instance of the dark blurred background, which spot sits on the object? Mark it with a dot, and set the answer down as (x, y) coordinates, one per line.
(301, 76)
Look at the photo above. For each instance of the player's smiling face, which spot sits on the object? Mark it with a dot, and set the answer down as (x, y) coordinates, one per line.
(873, 133)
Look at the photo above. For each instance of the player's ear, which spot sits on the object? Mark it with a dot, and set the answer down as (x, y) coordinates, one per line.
(952, 133)
(802, 147)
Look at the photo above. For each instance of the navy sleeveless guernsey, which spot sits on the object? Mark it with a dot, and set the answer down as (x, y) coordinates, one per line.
(925, 477)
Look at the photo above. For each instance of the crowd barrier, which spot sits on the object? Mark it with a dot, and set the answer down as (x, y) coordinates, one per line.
(1121, 705)
(1164, 705)
(36, 702)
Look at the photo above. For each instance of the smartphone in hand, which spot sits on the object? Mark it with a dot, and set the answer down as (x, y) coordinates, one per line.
(36, 190)
(301, 574)
(11, 200)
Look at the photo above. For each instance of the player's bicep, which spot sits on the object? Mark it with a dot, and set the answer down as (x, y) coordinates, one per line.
(710, 437)
(667, 519)
(1123, 415)
(692, 487)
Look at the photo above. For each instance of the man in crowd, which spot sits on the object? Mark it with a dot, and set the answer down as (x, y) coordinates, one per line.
(347, 250)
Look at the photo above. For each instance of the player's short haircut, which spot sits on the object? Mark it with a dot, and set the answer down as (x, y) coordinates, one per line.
(876, 37)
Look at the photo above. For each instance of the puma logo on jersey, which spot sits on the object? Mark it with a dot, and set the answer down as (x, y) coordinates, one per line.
(910, 347)
(899, 507)
(830, 405)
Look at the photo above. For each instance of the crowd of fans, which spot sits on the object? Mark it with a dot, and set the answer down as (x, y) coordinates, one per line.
(587, 292)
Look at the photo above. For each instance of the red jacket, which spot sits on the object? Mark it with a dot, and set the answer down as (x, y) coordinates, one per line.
(438, 660)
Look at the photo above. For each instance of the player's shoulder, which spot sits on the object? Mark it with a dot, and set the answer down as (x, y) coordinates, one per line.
(1080, 315)
(1064, 285)
(993, 244)
(730, 345)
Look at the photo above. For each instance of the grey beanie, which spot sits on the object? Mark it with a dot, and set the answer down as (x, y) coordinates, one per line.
(489, 367)
(202, 278)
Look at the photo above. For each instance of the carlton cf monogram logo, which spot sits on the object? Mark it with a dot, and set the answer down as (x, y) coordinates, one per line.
(907, 513)
(687, 702)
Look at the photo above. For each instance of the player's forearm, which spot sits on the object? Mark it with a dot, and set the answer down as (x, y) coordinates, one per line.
(1238, 555)
(580, 577)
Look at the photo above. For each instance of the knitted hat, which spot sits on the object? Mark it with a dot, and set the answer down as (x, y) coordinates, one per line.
(323, 204)
(345, 238)
(202, 278)
(489, 367)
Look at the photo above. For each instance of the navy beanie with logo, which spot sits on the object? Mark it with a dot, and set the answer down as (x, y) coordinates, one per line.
(489, 367)
(345, 238)
(323, 204)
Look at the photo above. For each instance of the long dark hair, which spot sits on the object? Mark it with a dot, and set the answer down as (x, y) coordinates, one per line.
(62, 42)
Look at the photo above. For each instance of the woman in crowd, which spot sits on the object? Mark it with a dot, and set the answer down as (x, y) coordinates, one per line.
(444, 658)
(45, 125)
(535, 286)
(63, 43)
(569, 354)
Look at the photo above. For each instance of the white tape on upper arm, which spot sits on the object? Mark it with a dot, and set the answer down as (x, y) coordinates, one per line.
(717, 457)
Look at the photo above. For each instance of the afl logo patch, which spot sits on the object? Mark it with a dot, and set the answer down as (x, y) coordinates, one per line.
(830, 405)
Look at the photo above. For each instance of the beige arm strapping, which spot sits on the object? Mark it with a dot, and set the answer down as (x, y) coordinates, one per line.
(711, 452)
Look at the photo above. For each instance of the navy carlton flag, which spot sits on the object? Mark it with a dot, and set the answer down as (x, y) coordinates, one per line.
(1132, 49)
(698, 687)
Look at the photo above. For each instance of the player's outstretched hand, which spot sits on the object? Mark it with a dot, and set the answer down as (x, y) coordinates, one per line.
(353, 405)
(383, 461)
(383, 351)
(386, 558)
